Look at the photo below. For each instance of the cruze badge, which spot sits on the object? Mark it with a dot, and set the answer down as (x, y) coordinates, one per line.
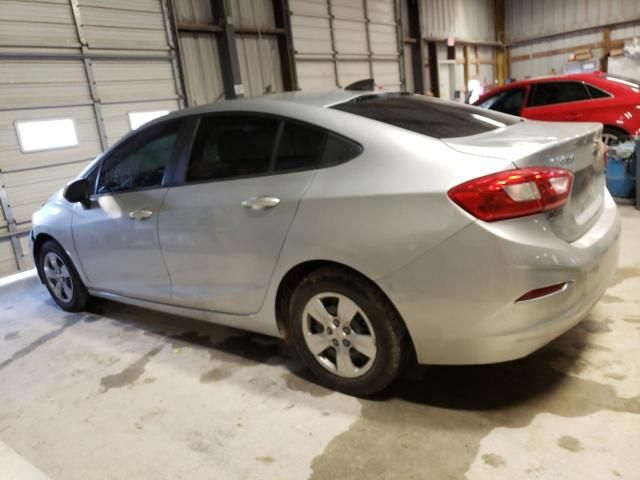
(563, 159)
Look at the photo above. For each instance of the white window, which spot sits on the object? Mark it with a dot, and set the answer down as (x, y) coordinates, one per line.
(137, 119)
(46, 134)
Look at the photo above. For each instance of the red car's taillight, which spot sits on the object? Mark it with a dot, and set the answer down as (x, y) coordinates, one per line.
(514, 193)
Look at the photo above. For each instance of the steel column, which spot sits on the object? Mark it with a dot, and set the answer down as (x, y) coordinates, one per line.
(417, 48)
(282, 16)
(229, 61)
(433, 68)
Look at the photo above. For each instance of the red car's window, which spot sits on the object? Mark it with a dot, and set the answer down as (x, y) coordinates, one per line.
(549, 93)
(596, 92)
(510, 101)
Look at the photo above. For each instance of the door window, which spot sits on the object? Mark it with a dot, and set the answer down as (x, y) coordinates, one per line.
(549, 93)
(140, 162)
(232, 146)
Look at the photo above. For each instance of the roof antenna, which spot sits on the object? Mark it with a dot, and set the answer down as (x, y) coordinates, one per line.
(365, 85)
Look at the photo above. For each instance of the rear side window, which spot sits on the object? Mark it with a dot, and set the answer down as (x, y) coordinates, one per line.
(596, 92)
(426, 116)
(299, 147)
(232, 146)
(339, 150)
(549, 93)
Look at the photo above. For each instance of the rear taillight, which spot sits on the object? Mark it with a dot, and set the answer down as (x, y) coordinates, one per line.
(514, 193)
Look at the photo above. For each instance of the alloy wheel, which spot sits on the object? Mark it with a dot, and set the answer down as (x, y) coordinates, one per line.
(339, 335)
(58, 277)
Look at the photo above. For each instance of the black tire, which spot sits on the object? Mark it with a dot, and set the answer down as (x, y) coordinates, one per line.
(77, 299)
(613, 136)
(392, 342)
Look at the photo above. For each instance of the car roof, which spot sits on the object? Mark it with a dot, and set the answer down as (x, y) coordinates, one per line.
(264, 102)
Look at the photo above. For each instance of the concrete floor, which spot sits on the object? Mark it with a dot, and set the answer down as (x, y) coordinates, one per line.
(123, 393)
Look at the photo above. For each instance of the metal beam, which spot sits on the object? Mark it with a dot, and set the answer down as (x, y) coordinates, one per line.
(334, 50)
(13, 228)
(367, 22)
(172, 41)
(397, 15)
(433, 68)
(228, 50)
(417, 46)
(88, 68)
(501, 56)
(286, 51)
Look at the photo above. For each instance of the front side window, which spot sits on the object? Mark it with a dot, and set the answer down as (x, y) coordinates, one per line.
(140, 162)
(549, 93)
(435, 118)
(231, 146)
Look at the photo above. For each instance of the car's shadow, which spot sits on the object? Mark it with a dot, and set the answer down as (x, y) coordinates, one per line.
(481, 387)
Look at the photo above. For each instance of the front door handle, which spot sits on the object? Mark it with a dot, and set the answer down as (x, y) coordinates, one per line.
(261, 203)
(141, 214)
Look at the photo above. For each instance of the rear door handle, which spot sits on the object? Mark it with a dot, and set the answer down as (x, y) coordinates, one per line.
(261, 203)
(141, 214)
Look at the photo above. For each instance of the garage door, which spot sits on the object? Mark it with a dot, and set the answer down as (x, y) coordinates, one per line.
(74, 77)
(338, 42)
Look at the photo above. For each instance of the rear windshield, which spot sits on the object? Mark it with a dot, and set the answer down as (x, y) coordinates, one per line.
(435, 118)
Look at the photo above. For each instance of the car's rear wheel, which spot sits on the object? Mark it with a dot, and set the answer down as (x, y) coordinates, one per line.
(61, 278)
(347, 332)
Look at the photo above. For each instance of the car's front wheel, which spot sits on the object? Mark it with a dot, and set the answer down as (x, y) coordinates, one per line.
(347, 332)
(61, 278)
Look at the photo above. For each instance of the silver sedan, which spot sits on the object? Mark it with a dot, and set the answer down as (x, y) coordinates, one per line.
(366, 228)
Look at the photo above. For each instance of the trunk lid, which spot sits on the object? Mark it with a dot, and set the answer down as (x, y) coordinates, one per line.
(576, 147)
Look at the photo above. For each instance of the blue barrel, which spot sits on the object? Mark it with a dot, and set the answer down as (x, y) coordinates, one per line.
(621, 176)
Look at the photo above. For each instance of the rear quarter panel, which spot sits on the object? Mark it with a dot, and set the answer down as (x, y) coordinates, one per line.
(386, 207)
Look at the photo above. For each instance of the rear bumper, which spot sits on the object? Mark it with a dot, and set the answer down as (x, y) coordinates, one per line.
(458, 300)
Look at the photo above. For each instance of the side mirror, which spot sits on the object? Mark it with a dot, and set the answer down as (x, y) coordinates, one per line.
(78, 191)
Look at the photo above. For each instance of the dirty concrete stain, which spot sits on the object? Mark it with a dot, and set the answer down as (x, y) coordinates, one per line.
(615, 375)
(70, 320)
(216, 374)
(625, 273)
(452, 410)
(12, 336)
(594, 326)
(91, 318)
(494, 460)
(570, 443)
(265, 459)
(581, 345)
(302, 381)
(612, 299)
(632, 319)
(149, 380)
(130, 374)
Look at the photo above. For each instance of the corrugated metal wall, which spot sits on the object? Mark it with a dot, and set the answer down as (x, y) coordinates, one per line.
(536, 18)
(465, 20)
(258, 54)
(91, 61)
(338, 42)
(528, 20)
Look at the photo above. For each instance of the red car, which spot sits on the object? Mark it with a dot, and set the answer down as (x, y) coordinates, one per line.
(600, 97)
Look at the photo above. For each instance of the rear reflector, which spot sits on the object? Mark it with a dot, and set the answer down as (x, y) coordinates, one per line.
(543, 292)
(514, 193)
